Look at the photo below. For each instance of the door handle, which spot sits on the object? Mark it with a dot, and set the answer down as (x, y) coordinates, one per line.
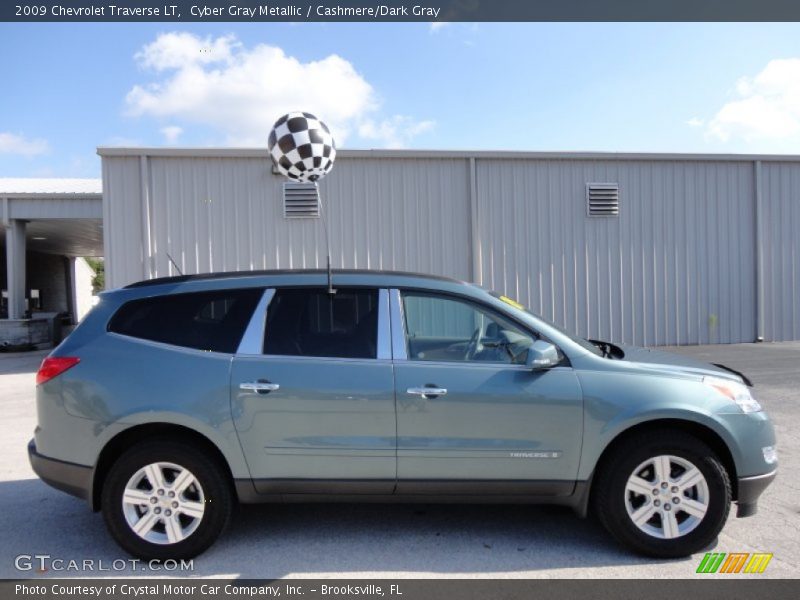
(427, 392)
(260, 387)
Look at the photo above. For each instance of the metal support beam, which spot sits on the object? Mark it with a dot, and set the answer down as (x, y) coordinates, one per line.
(759, 242)
(147, 259)
(15, 268)
(475, 231)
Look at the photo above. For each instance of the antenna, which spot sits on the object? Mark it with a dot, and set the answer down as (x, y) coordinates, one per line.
(174, 264)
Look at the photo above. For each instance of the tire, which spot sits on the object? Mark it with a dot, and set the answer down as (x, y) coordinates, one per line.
(193, 505)
(672, 523)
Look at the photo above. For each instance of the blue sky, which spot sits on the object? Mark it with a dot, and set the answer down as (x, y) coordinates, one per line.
(612, 87)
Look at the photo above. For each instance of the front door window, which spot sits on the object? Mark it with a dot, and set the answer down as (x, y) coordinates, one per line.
(443, 328)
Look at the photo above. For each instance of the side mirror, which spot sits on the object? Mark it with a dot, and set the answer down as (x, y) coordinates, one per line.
(542, 355)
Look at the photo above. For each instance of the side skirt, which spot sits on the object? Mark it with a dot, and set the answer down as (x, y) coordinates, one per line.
(574, 494)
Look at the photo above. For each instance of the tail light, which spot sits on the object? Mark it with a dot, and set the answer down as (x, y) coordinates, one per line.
(53, 366)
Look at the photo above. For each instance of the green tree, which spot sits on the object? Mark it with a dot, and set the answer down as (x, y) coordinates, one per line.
(97, 265)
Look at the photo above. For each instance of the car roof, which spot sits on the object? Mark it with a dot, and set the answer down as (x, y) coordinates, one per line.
(367, 274)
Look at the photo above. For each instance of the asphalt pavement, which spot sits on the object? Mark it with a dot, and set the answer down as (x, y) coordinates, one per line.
(396, 541)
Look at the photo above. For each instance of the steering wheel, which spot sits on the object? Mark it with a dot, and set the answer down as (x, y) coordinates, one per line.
(474, 345)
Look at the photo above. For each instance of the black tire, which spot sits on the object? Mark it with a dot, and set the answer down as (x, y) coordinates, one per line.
(609, 495)
(218, 499)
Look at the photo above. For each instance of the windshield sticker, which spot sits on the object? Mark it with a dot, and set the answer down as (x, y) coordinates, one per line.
(511, 302)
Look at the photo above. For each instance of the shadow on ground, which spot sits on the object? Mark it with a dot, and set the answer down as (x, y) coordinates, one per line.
(347, 539)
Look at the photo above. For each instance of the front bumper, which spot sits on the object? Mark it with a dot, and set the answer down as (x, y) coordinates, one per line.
(749, 490)
(65, 476)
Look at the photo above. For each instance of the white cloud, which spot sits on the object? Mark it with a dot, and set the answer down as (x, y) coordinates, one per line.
(437, 26)
(767, 105)
(12, 143)
(395, 132)
(240, 91)
(176, 50)
(171, 133)
(695, 122)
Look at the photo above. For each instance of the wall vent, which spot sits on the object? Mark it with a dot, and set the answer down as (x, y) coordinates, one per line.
(602, 199)
(300, 200)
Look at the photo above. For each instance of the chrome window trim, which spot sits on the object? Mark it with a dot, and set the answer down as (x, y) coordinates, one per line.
(398, 327)
(384, 346)
(166, 345)
(486, 365)
(253, 338)
(337, 359)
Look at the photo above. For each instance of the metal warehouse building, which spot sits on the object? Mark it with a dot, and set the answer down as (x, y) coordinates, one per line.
(640, 248)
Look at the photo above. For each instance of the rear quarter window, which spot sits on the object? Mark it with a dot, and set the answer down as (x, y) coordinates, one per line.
(214, 321)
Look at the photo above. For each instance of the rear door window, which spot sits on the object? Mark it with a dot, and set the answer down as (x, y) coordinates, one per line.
(312, 322)
(213, 321)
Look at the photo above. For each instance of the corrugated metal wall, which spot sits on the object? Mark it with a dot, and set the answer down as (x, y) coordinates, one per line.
(220, 214)
(678, 266)
(400, 214)
(675, 267)
(122, 221)
(781, 241)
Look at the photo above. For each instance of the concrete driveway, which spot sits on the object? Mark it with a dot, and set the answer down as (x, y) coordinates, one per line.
(389, 541)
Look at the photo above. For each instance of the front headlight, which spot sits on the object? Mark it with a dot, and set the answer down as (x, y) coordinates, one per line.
(735, 392)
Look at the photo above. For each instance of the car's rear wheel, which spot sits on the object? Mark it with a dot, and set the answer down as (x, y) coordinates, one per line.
(164, 499)
(663, 493)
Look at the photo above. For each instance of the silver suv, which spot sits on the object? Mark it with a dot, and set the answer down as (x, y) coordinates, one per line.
(177, 397)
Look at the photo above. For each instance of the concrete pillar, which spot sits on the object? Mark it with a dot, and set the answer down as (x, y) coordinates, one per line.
(15, 267)
(69, 280)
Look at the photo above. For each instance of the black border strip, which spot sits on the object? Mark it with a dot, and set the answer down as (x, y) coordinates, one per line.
(400, 10)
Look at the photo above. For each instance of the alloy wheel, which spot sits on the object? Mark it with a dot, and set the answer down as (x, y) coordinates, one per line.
(666, 496)
(163, 503)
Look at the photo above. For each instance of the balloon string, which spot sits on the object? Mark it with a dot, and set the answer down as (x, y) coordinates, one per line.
(327, 240)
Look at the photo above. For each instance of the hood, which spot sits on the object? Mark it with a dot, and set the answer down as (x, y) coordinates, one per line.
(677, 363)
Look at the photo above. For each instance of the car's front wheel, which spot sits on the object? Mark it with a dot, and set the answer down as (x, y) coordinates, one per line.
(663, 493)
(165, 499)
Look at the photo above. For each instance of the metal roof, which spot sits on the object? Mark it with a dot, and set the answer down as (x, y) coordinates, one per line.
(10, 186)
(445, 154)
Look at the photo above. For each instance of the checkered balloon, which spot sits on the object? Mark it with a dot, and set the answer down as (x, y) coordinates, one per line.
(302, 147)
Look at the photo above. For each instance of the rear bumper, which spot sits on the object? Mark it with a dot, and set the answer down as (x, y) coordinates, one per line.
(65, 476)
(750, 489)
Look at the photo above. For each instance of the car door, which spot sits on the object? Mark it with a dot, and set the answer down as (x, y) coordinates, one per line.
(313, 397)
(471, 416)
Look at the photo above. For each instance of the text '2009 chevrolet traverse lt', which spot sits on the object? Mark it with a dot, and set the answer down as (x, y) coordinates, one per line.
(177, 397)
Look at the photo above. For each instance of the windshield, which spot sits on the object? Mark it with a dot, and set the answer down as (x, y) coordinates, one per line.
(578, 340)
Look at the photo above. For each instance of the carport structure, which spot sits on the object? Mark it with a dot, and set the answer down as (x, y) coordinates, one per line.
(47, 224)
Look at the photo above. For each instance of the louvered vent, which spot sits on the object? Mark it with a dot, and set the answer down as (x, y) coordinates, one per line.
(602, 199)
(300, 200)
